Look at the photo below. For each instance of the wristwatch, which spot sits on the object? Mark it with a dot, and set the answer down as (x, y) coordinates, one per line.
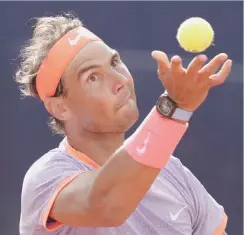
(168, 108)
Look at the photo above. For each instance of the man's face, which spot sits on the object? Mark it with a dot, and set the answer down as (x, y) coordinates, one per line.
(100, 90)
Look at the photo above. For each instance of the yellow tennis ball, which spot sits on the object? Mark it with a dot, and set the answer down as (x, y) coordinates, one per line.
(195, 35)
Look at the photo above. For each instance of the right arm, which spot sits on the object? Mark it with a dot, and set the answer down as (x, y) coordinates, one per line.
(105, 197)
(108, 196)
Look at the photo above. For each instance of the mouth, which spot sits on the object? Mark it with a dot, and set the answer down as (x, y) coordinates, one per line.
(124, 99)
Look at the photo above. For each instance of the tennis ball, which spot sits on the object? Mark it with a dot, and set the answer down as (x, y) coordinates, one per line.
(195, 35)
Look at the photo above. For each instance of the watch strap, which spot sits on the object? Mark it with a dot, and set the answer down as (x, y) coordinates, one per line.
(176, 113)
(181, 114)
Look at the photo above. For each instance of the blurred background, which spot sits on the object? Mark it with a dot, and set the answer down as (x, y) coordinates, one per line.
(212, 147)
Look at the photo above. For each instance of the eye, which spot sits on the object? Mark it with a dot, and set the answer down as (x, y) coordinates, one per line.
(92, 78)
(115, 62)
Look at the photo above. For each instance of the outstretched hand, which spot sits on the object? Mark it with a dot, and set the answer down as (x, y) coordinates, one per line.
(189, 87)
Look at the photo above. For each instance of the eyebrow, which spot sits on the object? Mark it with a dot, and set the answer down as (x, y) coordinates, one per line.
(115, 54)
(87, 68)
(93, 66)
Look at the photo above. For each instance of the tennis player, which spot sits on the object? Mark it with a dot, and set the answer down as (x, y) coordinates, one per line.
(96, 182)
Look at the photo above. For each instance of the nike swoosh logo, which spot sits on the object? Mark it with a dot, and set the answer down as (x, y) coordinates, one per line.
(74, 41)
(142, 150)
(175, 216)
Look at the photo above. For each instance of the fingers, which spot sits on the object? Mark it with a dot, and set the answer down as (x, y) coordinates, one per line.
(205, 73)
(162, 61)
(176, 66)
(195, 65)
(222, 75)
(213, 65)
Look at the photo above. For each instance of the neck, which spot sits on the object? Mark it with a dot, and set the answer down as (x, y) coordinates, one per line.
(97, 146)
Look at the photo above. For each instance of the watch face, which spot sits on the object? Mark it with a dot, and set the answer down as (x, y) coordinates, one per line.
(166, 107)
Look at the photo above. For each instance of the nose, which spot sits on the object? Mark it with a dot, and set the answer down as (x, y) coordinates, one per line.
(118, 80)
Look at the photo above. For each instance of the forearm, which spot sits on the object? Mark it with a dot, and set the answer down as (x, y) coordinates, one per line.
(105, 197)
(120, 185)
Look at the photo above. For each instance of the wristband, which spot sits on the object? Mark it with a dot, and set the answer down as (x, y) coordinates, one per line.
(155, 140)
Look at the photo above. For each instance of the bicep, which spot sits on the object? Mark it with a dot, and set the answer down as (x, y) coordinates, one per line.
(72, 204)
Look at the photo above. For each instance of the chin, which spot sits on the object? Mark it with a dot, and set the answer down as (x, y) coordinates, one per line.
(129, 114)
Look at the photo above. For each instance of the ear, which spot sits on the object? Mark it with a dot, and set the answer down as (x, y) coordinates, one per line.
(56, 107)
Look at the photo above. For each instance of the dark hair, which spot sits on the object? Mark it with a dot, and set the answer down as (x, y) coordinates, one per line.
(47, 31)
